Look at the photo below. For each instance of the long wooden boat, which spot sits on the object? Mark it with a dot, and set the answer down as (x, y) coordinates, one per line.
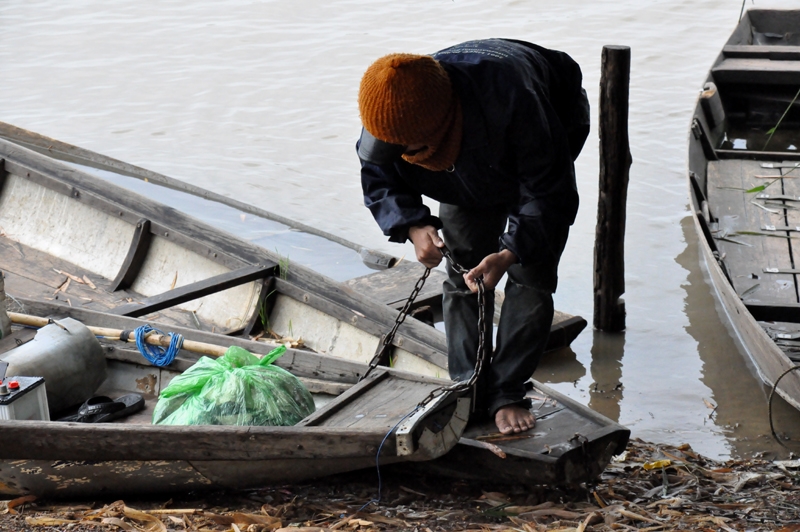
(138, 258)
(743, 169)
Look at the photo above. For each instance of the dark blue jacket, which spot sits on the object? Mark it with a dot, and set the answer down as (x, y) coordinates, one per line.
(525, 119)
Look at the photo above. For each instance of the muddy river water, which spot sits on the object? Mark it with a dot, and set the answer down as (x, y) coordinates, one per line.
(256, 100)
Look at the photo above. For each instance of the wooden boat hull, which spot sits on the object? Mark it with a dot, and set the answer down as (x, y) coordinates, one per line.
(141, 259)
(746, 90)
(355, 423)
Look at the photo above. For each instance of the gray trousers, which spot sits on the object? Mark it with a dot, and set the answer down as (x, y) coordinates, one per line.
(527, 312)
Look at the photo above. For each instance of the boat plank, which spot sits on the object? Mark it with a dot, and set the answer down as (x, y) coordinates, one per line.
(792, 188)
(788, 312)
(33, 275)
(52, 440)
(393, 285)
(763, 71)
(51, 478)
(381, 406)
(322, 416)
(754, 51)
(252, 473)
(727, 182)
(195, 290)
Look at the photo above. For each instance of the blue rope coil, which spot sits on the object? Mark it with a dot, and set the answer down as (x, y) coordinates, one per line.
(157, 355)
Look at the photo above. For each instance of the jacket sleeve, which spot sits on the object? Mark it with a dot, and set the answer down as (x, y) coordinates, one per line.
(394, 205)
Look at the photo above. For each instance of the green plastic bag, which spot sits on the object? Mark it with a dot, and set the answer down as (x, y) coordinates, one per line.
(237, 388)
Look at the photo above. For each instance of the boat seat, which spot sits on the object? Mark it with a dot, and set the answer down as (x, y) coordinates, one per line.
(753, 51)
(761, 70)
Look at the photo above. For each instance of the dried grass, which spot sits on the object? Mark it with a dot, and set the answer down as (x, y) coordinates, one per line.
(648, 488)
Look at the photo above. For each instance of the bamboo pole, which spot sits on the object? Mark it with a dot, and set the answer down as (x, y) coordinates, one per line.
(615, 162)
(313, 385)
(162, 340)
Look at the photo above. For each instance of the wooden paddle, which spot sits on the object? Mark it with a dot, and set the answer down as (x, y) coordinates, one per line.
(162, 340)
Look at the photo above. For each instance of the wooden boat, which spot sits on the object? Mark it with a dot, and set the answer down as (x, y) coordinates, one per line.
(138, 258)
(743, 165)
(347, 431)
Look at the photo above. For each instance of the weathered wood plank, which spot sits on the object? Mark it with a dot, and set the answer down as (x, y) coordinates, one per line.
(381, 407)
(192, 291)
(727, 182)
(263, 308)
(762, 71)
(393, 285)
(754, 51)
(57, 478)
(50, 440)
(324, 414)
(564, 331)
(34, 274)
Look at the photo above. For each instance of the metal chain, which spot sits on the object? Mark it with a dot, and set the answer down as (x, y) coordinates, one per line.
(389, 337)
(481, 355)
(481, 322)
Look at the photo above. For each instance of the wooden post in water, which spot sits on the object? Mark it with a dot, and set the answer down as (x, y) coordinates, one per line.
(615, 162)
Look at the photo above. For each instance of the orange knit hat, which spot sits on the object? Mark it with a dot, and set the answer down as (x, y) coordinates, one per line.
(405, 98)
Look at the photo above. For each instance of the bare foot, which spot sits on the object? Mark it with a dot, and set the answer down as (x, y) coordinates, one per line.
(514, 418)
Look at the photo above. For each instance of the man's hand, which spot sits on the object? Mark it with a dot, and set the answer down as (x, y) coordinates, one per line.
(427, 244)
(492, 268)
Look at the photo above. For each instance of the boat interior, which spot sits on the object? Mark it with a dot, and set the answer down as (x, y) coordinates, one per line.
(68, 237)
(744, 162)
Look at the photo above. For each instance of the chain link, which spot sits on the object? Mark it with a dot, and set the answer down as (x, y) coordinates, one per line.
(481, 355)
(389, 337)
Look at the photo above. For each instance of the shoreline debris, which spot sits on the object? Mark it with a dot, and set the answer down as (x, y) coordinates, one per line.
(649, 487)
